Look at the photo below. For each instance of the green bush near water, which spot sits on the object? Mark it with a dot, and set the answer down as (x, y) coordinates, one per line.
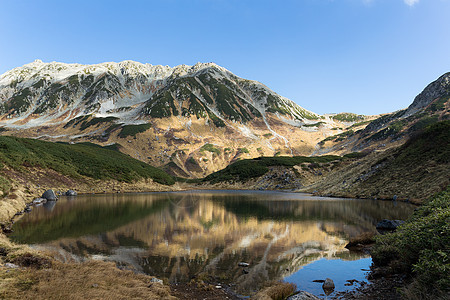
(421, 247)
(85, 159)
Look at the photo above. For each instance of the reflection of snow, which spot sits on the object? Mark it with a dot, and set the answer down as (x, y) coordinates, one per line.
(260, 273)
(247, 240)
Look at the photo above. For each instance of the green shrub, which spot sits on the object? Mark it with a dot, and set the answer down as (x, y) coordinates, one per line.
(210, 148)
(347, 117)
(132, 130)
(96, 121)
(421, 245)
(243, 150)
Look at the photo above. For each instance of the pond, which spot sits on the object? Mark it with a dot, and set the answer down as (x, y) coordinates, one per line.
(181, 235)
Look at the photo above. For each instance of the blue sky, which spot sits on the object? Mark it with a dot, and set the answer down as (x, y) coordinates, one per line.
(362, 56)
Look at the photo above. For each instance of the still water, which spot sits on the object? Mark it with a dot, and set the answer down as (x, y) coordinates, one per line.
(180, 235)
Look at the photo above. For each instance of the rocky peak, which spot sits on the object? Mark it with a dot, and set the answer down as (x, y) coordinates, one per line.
(434, 90)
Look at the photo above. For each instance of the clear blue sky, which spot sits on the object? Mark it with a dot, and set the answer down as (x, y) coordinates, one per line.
(362, 56)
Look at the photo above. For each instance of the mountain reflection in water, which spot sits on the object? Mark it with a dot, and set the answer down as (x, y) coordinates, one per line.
(180, 235)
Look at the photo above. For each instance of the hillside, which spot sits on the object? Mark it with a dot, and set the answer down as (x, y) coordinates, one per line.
(391, 130)
(168, 117)
(414, 171)
(29, 167)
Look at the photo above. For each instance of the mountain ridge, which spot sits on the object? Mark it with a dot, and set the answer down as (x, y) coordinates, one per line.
(164, 116)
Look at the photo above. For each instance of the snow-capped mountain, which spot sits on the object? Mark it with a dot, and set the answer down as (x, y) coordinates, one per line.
(197, 119)
(47, 93)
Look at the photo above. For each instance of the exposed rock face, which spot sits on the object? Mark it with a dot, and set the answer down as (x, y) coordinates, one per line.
(436, 89)
(49, 195)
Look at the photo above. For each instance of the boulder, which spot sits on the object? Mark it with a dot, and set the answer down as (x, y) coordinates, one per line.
(389, 224)
(70, 193)
(328, 284)
(302, 295)
(49, 195)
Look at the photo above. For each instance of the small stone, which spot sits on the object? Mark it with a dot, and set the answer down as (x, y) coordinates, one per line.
(39, 201)
(11, 266)
(243, 264)
(70, 193)
(95, 285)
(156, 280)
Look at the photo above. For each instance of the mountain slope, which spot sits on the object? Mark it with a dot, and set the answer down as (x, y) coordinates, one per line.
(391, 130)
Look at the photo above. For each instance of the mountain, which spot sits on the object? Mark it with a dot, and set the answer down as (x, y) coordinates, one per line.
(47, 93)
(392, 130)
(190, 120)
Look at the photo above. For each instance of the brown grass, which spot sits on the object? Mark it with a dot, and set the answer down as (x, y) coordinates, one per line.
(276, 291)
(91, 280)
(41, 277)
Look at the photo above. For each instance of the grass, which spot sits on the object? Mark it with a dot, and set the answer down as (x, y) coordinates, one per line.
(89, 280)
(245, 169)
(438, 104)
(430, 143)
(338, 137)
(79, 159)
(420, 247)
(5, 185)
(276, 291)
